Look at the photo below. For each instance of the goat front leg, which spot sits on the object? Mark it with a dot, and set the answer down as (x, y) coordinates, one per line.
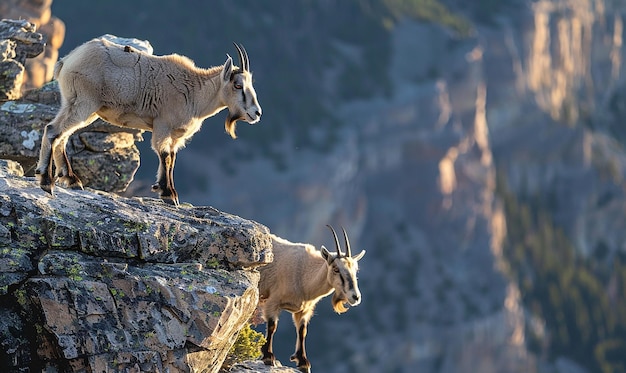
(165, 178)
(171, 178)
(267, 350)
(300, 320)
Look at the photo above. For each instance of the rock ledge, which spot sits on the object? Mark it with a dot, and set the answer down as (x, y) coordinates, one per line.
(93, 281)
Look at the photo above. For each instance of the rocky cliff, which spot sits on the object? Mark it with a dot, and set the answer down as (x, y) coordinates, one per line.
(37, 70)
(94, 282)
(18, 42)
(100, 283)
(474, 148)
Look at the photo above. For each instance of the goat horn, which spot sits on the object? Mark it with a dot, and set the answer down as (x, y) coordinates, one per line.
(336, 241)
(245, 54)
(345, 237)
(242, 57)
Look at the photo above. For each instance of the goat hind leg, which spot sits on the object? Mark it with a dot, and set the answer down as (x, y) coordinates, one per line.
(64, 171)
(71, 117)
(44, 165)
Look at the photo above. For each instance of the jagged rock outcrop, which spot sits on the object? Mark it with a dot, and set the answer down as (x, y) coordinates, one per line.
(38, 70)
(18, 41)
(95, 282)
(258, 367)
(104, 156)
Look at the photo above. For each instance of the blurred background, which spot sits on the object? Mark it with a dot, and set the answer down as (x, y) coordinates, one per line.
(475, 149)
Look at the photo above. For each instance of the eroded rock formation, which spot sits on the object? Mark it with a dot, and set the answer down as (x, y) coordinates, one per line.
(38, 70)
(18, 41)
(95, 282)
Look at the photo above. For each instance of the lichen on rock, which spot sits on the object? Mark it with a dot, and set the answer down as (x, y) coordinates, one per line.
(93, 281)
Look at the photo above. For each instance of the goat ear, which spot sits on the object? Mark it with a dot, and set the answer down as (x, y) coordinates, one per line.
(228, 69)
(359, 256)
(326, 254)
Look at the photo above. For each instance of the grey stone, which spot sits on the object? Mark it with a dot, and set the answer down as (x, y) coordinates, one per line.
(119, 283)
(258, 367)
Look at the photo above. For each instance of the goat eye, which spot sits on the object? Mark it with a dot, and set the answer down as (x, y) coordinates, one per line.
(335, 269)
(238, 86)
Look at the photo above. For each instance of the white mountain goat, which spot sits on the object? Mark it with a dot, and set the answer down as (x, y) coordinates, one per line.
(296, 280)
(167, 95)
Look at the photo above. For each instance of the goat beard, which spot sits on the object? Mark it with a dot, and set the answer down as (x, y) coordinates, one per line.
(338, 303)
(231, 124)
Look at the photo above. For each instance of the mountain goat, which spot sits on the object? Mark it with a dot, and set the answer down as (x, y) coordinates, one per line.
(167, 95)
(296, 280)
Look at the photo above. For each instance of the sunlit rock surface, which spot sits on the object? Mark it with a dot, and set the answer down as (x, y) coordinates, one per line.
(37, 70)
(91, 281)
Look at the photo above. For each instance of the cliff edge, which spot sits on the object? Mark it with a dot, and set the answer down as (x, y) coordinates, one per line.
(90, 281)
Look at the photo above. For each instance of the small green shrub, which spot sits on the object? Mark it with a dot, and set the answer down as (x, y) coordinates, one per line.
(246, 347)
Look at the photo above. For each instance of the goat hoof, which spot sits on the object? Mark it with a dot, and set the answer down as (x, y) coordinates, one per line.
(75, 184)
(170, 200)
(71, 182)
(169, 196)
(48, 188)
(270, 361)
(45, 183)
(303, 366)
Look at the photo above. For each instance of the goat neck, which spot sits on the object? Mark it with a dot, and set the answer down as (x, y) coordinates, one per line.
(317, 269)
(211, 82)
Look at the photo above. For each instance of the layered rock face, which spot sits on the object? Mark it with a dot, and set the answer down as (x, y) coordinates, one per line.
(18, 41)
(38, 70)
(91, 281)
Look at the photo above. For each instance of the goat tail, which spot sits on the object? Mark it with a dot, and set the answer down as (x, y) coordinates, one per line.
(338, 304)
(57, 69)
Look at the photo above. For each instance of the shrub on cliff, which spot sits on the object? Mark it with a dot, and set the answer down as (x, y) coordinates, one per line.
(246, 347)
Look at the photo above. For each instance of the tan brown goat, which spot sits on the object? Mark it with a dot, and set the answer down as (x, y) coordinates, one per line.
(296, 280)
(167, 95)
